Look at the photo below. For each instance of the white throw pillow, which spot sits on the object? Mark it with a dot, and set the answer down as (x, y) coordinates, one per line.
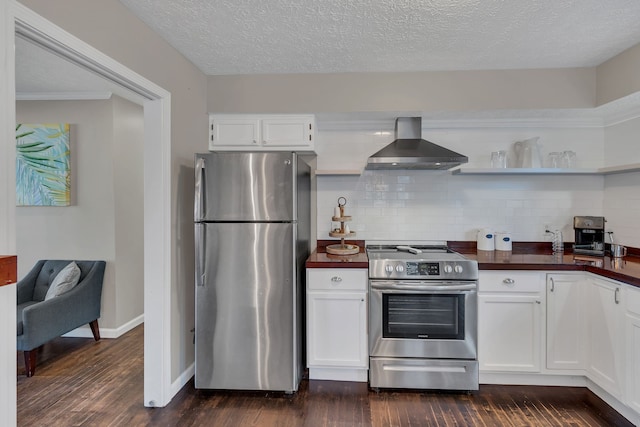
(66, 280)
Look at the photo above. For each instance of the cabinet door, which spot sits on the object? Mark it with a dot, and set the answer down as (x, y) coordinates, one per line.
(566, 321)
(294, 131)
(509, 332)
(632, 343)
(234, 132)
(605, 352)
(337, 329)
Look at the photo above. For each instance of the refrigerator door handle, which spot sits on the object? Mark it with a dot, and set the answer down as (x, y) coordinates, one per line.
(200, 243)
(199, 194)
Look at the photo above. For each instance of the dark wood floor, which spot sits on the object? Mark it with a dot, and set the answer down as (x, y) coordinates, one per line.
(79, 382)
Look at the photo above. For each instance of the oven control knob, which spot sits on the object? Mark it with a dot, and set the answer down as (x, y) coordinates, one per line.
(448, 269)
(388, 268)
(399, 268)
(458, 269)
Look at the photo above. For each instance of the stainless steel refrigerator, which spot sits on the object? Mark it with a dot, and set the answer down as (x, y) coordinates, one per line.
(252, 216)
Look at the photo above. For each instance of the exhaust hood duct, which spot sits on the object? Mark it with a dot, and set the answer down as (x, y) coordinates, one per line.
(410, 151)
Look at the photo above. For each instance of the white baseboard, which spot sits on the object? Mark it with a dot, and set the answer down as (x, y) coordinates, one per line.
(183, 379)
(85, 331)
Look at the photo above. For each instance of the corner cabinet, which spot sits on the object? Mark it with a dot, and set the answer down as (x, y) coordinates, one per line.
(605, 335)
(632, 339)
(251, 132)
(337, 344)
(510, 321)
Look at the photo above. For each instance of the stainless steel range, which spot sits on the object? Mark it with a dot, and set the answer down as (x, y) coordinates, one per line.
(422, 318)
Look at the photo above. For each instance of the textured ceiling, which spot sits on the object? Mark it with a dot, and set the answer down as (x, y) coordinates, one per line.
(321, 36)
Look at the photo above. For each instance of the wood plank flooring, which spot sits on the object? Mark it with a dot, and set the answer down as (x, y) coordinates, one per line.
(80, 382)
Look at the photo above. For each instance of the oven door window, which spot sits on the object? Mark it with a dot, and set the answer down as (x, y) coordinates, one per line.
(423, 316)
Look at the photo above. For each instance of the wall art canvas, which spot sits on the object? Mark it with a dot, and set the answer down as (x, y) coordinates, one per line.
(42, 165)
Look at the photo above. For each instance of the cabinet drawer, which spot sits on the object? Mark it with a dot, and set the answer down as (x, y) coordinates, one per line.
(511, 281)
(337, 278)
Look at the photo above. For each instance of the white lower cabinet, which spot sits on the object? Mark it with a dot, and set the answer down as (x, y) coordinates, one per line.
(566, 321)
(605, 335)
(510, 321)
(632, 353)
(337, 343)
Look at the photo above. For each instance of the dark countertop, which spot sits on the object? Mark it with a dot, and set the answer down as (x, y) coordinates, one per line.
(626, 269)
(320, 259)
(528, 256)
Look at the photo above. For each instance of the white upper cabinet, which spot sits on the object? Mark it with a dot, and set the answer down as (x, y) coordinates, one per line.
(249, 132)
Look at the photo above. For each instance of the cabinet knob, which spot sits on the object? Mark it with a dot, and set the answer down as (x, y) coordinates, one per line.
(508, 281)
(336, 279)
(255, 142)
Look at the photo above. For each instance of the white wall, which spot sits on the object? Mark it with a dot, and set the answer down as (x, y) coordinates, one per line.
(105, 218)
(435, 205)
(622, 191)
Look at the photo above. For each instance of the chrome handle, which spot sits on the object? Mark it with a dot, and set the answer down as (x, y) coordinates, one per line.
(255, 142)
(199, 194)
(538, 302)
(616, 296)
(508, 281)
(553, 285)
(200, 255)
(336, 279)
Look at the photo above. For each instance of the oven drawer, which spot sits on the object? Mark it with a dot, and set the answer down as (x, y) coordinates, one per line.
(511, 281)
(423, 373)
(352, 279)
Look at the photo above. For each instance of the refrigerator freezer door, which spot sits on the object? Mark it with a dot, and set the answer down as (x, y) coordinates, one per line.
(245, 187)
(246, 309)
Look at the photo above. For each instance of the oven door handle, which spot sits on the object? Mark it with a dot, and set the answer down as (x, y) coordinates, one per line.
(422, 286)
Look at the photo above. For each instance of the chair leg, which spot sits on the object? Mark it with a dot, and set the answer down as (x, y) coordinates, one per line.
(30, 362)
(95, 330)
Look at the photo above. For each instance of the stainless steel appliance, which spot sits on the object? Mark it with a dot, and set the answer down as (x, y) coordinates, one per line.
(252, 213)
(410, 151)
(422, 318)
(589, 235)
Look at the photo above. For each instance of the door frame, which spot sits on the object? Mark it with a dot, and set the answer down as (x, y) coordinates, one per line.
(156, 102)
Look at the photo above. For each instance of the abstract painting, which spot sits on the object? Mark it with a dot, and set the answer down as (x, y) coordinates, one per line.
(42, 165)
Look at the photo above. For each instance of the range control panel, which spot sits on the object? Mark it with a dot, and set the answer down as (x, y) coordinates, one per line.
(391, 269)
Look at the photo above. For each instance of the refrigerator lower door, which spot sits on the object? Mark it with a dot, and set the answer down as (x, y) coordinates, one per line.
(246, 323)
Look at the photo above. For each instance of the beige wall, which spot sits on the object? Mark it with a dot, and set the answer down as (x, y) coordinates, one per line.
(128, 179)
(105, 218)
(619, 76)
(109, 27)
(419, 91)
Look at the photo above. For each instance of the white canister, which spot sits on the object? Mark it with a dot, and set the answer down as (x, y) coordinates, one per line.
(486, 240)
(503, 241)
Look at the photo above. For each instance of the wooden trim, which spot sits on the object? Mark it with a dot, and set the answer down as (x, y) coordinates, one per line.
(8, 269)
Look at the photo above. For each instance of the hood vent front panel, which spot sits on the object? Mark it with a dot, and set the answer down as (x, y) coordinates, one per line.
(410, 151)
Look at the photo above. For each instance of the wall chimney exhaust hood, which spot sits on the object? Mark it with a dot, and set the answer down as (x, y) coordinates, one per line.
(410, 151)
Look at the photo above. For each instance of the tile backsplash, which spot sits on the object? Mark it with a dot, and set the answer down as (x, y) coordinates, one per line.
(435, 205)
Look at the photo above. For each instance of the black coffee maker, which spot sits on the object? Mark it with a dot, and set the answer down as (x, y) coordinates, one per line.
(589, 235)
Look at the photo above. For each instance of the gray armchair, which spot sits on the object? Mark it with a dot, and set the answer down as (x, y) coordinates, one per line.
(39, 321)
